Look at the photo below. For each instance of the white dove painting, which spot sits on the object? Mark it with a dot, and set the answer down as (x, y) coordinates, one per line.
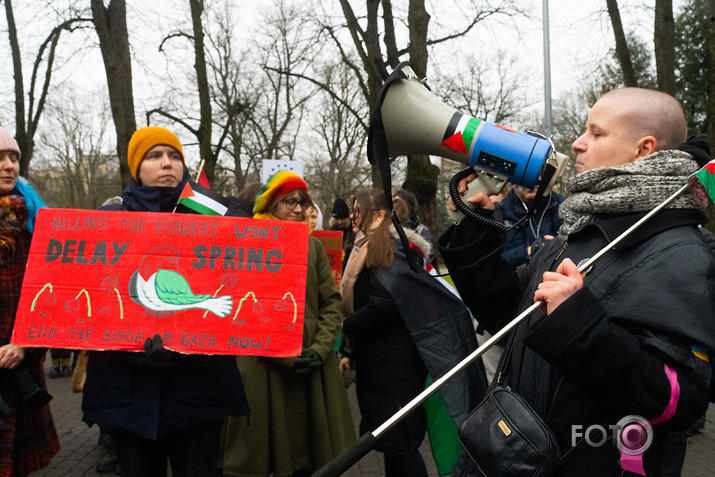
(157, 288)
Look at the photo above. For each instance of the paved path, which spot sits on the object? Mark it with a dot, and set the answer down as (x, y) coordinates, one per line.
(79, 451)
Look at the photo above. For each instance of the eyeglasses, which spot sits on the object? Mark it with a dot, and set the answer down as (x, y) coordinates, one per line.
(357, 211)
(291, 203)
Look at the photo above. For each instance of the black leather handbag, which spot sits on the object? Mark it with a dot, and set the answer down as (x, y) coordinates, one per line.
(505, 437)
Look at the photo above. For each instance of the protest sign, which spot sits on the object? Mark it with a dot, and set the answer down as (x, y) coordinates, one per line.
(333, 244)
(213, 285)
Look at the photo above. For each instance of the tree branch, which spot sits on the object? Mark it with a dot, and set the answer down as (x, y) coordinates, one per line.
(168, 115)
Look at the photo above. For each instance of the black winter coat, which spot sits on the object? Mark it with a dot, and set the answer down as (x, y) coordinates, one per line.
(600, 355)
(389, 369)
(128, 391)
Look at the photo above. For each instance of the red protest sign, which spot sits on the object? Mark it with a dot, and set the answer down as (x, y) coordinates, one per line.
(333, 244)
(212, 285)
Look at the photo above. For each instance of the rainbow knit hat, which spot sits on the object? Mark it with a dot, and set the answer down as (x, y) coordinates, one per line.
(144, 139)
(278, 185)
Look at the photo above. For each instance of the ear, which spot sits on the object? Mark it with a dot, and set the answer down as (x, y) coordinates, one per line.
(646, 146)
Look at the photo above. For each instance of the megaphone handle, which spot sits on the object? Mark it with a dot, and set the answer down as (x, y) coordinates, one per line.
(481, 184)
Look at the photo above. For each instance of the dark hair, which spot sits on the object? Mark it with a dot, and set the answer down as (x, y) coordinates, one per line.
(410, 201)
(249, 192)
(380, 252)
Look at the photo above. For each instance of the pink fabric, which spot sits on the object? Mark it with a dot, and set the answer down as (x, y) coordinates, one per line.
(674, 396)
(634, 463)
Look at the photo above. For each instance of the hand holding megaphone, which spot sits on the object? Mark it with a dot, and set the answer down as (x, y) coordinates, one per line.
(474, 198)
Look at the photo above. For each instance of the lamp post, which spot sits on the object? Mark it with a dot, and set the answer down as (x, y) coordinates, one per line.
(548, 120)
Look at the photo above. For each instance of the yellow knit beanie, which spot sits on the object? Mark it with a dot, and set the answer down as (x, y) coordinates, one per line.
(144, 139)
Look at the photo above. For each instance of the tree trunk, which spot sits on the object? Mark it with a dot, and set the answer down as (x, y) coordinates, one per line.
(204, 131)
(710, 211)
(422, 175)
(111, 26)
(664, 43)
(20, 125)
(622, 52)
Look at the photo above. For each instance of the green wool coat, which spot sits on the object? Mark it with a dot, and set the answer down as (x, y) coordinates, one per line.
(297, 422)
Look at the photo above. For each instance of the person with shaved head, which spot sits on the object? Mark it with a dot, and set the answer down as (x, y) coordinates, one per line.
(623, 348)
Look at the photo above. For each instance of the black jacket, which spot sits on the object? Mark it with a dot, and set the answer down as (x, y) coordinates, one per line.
(130, 392)
(390, 371)
(600, 356)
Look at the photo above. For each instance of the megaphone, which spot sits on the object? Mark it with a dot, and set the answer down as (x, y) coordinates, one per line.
(417, 122)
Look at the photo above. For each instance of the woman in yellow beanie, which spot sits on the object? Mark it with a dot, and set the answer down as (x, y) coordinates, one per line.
(162, 404)
(300, 416)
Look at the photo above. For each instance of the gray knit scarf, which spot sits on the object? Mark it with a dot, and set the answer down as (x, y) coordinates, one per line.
(630, 188)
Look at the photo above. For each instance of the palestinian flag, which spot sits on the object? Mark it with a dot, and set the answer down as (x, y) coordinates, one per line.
(706, 176)
(203, 200)
(460, 132)
(204, 180)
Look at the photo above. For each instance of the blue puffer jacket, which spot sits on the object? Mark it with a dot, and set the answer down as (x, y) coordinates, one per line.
(127, 391)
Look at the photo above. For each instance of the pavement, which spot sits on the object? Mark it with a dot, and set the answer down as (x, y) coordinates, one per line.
(79, 450)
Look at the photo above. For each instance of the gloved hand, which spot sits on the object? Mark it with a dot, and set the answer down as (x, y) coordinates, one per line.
(308, 361)
(158, 357)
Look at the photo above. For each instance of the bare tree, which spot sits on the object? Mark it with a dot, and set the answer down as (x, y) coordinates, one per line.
(373, 31)
(204, 130)
(337, 169)
(622, 52)
(76, 170)
(27, 121)
(234, 93)
(664, 43)
(287, 56)
(111, 25)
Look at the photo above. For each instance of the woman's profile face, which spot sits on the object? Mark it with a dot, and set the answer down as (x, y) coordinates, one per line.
(9, 171)
(356, 217)
(312, 215)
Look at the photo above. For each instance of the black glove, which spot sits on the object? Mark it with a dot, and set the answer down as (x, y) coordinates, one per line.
(158, 357)
(308, 361)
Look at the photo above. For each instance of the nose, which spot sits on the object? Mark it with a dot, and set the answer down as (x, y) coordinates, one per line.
(579, 145)
(165, 160)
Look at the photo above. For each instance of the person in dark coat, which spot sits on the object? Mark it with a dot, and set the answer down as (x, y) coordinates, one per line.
(405, 204)
(541, 226)
(161, 404)
(340, 220)
(631, 335)
(388, 366)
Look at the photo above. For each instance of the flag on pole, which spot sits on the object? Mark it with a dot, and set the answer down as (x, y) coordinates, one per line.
(203, 200)
(706, 176)
(203, 180)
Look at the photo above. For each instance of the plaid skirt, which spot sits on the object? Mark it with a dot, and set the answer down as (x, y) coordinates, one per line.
(31, 440)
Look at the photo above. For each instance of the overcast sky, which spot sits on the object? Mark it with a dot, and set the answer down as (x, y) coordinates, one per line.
(580, 35)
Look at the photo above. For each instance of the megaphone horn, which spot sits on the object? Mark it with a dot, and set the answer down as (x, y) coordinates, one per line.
(414, 121)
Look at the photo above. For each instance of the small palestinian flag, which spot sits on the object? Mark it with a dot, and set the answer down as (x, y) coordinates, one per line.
(203, 200)
(706, 176)
(460, 132)
(204, 180)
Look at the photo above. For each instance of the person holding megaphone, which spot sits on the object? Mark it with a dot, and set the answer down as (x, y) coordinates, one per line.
(631, 335)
